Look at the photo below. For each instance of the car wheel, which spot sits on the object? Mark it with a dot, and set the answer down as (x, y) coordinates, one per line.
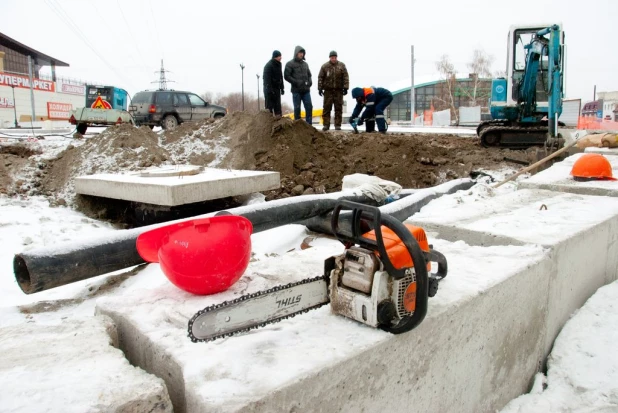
(169, 122)
(81, 128)
(219, 116)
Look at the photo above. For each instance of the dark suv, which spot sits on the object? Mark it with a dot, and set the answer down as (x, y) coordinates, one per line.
(169, 108)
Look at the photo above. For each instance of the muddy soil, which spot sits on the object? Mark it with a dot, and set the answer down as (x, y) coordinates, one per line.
(13, 159)
(309, 160)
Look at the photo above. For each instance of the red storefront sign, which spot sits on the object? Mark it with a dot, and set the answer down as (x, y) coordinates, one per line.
(58, 111)
(23, 81)
(6, 103)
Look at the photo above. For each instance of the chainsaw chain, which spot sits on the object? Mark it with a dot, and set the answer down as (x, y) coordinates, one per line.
(249, 297)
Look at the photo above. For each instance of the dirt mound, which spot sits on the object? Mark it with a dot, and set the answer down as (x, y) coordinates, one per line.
(13, 157)
(119, 148)
(311, 161)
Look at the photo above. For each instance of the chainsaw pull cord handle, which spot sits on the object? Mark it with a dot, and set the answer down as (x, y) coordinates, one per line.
(372, 214)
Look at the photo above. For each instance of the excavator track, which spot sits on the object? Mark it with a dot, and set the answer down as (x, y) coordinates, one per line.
(516, 137)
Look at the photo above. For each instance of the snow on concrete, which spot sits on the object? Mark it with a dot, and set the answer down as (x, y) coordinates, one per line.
(73, 367)
(558, 177)
(582, 374)
(246, 367)
(535, 216)
(210, 183)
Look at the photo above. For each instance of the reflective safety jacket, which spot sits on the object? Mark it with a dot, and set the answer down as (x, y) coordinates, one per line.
(373, 95)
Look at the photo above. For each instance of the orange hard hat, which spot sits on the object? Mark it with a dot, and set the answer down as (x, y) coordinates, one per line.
(201, 256)
(592, 166)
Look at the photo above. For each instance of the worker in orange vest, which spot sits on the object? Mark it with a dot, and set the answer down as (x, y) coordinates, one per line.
(375, 100)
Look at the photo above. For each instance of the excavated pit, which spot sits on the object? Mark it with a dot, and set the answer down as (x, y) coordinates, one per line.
(309, 160)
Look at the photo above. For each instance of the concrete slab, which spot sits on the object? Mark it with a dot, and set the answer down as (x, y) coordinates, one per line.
(180, 189)
(73, 367)
(581, 232)
(602, 151)
(323, 362)
(558, 178)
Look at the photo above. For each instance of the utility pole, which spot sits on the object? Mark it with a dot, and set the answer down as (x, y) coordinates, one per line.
(594, 96)
(15, 107)
(412, 108)
(242, 70)
(30, 77)
(258, 82)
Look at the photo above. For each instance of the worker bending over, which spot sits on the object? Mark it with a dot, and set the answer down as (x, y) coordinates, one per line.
(374, 100)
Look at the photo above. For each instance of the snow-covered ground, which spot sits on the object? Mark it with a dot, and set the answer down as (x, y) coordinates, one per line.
(583, 366)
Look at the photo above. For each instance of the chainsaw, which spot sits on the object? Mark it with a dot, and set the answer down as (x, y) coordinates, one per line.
(382, 279)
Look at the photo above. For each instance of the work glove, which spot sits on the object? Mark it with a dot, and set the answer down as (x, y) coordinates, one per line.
(345, 92)
(360, 122)
(282, 92)
(320, 92)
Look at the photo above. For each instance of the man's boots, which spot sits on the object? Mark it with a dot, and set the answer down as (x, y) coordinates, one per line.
(370, 125)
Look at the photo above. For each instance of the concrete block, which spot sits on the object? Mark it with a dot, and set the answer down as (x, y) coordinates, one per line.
(581, 232)
(558, 178)
(181, 189)
(480, 343)
(73, 367)
(602, 151)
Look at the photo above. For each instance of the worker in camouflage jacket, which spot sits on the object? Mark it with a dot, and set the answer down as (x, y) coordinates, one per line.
(298, 74)
(273, 84)
(333, 84)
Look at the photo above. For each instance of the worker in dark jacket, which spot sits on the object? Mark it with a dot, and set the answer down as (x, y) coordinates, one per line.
(298, 74)
(333, 83)
(374, 100)
(273, 84)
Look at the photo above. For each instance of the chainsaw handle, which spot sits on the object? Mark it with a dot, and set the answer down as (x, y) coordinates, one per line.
(440, 259)
(372, 215)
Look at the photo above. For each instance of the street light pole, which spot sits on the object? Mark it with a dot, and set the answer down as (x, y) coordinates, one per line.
(258, 82)
(242, 70)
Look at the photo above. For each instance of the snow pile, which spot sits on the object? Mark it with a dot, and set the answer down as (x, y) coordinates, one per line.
(117, 149)
(197, 147)
(582, 371)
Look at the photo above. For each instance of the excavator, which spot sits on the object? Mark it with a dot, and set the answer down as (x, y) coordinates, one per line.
(525, 106)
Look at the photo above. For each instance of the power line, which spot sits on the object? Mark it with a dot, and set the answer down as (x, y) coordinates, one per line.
(59, 11)
(132, 37)
(154, 21)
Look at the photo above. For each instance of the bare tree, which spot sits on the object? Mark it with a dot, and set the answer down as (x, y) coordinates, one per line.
(446, 95)
(480, 68)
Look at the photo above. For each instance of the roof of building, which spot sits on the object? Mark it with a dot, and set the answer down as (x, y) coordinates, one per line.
(422, 81)
(41, 58)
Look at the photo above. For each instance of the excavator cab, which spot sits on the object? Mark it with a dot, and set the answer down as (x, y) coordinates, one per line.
(525, 105)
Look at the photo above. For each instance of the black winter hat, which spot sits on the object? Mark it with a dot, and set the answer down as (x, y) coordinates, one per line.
(332, 53)
(276, 53)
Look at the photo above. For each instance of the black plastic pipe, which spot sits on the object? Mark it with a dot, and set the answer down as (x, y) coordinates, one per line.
(44, 268)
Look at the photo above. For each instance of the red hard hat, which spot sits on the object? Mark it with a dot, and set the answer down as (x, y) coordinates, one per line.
(592, 166)
(201, 256)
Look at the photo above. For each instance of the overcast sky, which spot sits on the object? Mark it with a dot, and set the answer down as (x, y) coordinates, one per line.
(121, 43)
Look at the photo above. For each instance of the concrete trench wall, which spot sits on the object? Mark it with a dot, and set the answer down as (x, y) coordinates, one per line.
(471, 355)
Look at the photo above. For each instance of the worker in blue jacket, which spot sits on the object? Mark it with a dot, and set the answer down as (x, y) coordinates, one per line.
(374, 100)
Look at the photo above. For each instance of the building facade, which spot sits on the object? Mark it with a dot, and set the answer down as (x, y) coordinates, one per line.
(45, 97)
(440, 95)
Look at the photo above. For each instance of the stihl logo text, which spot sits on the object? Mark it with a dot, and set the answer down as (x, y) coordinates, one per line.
(289, 301)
